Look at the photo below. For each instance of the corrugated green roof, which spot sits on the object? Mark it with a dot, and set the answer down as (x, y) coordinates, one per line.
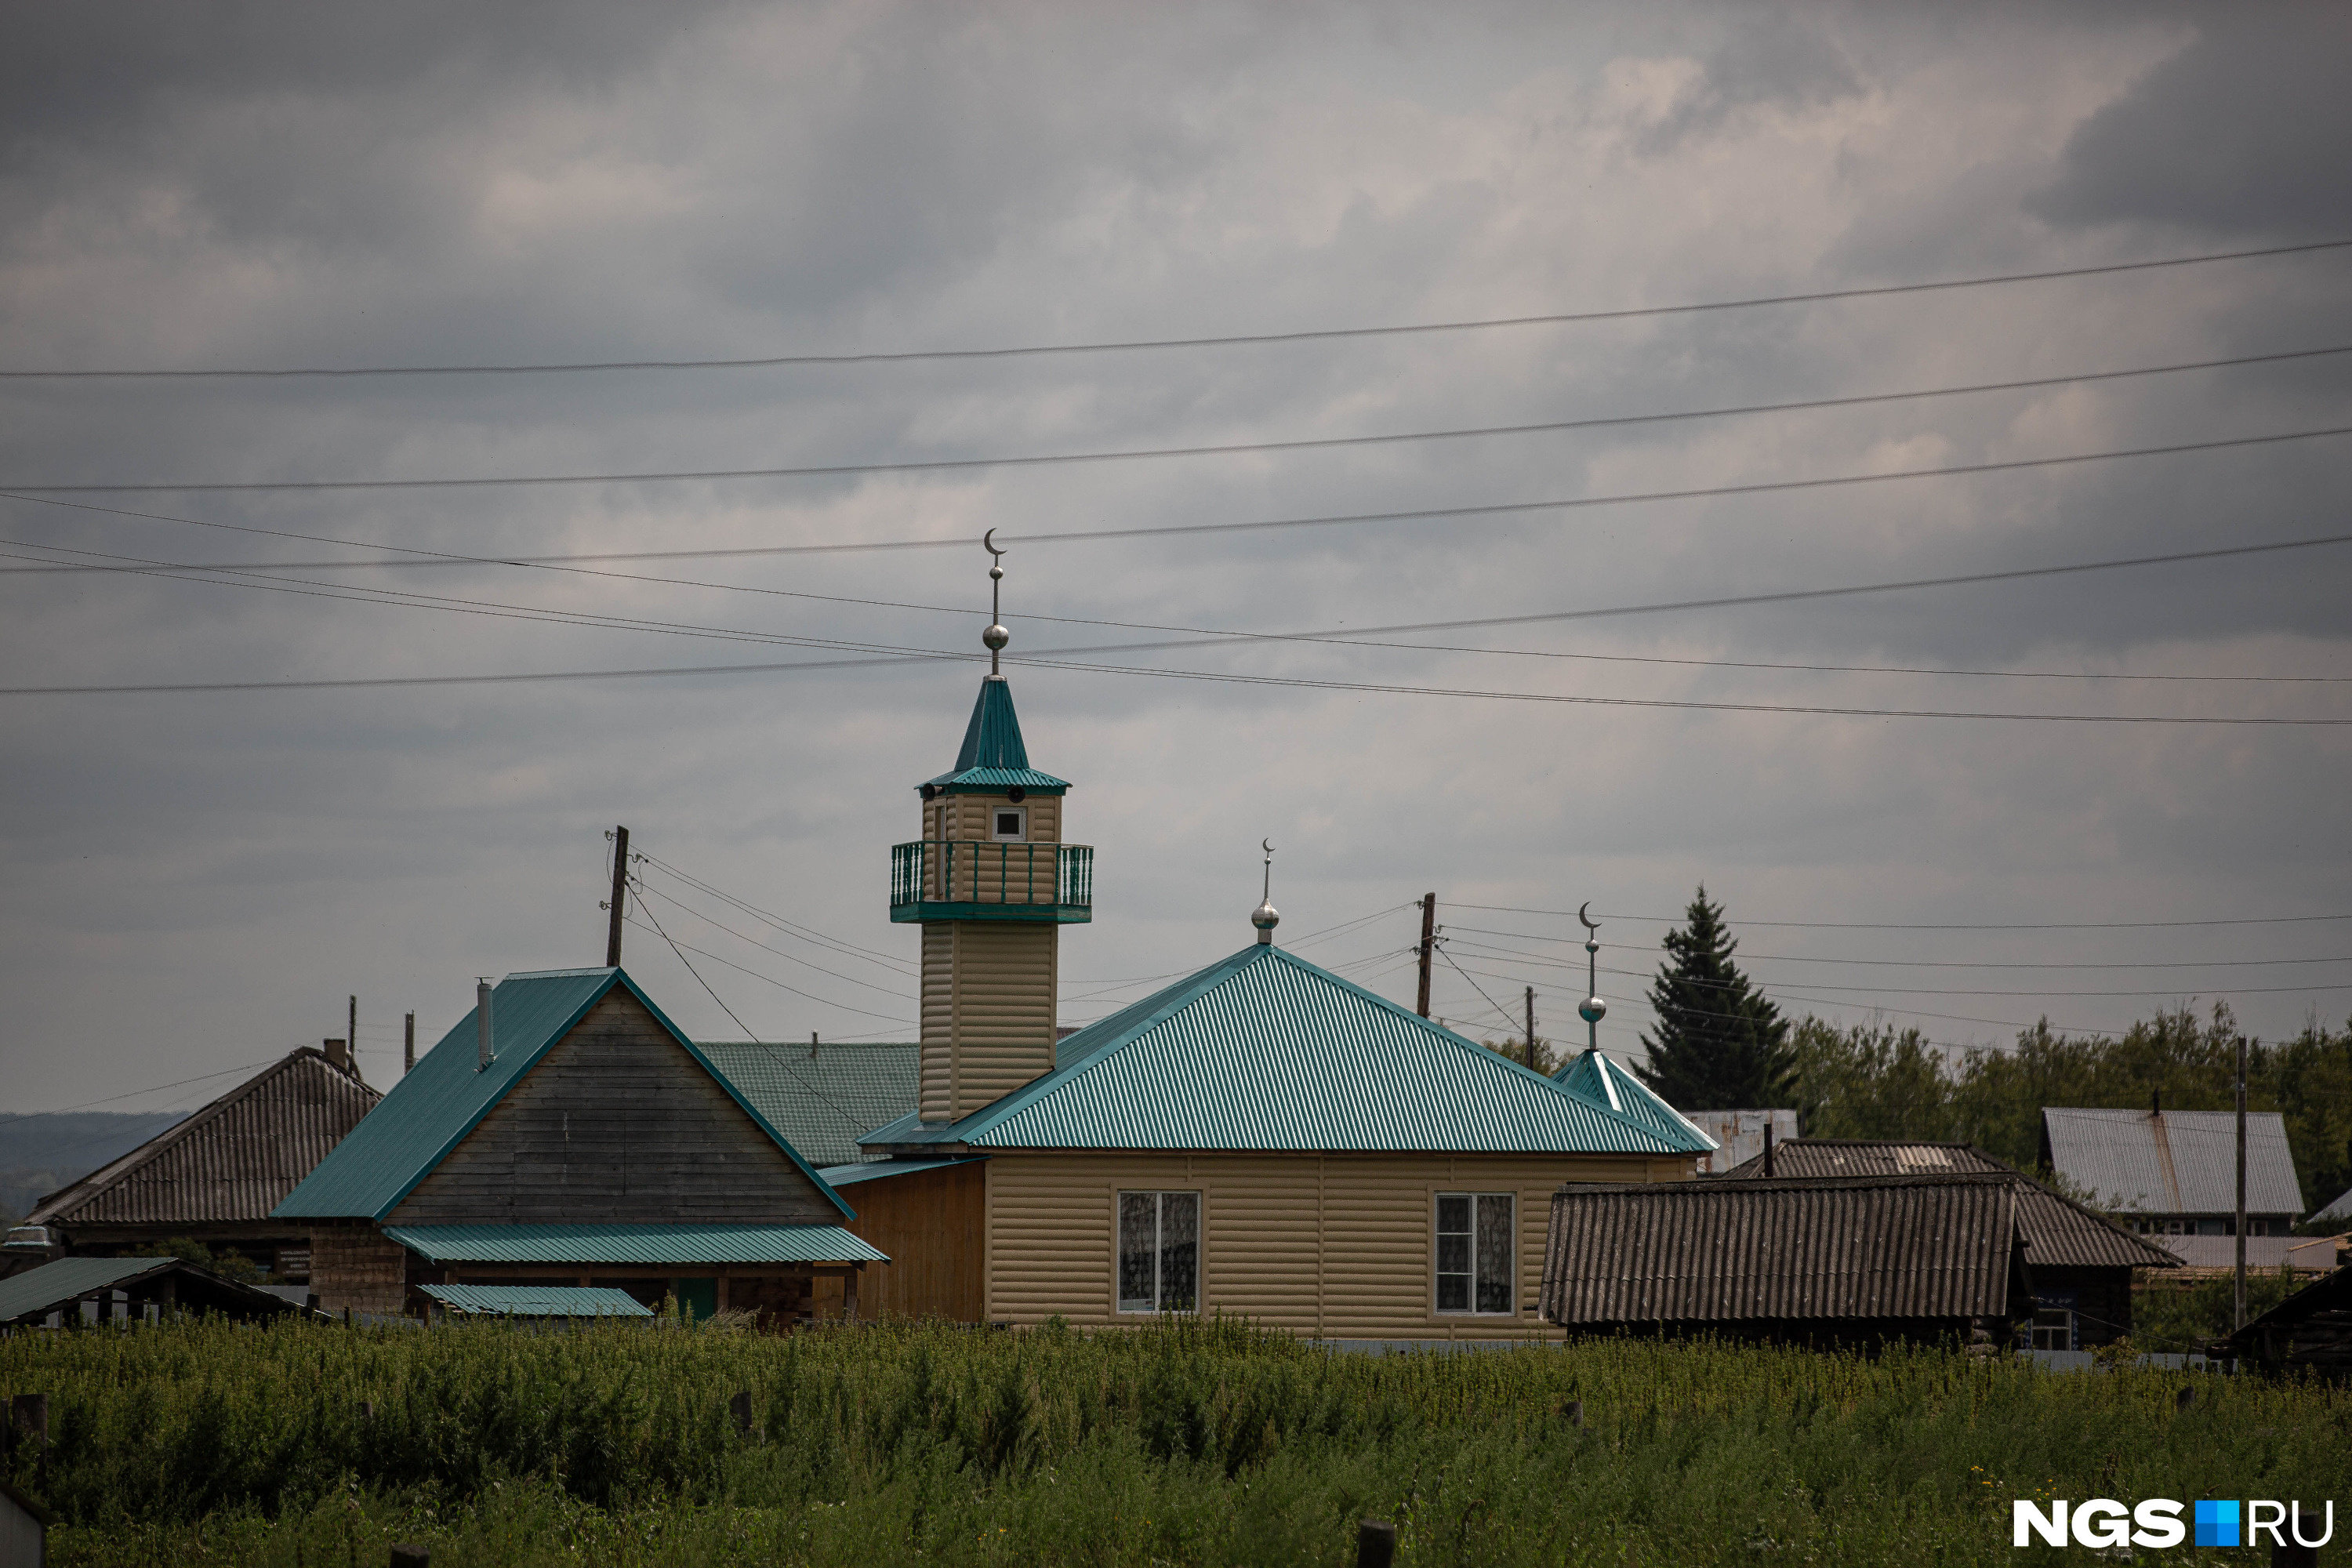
(1265, 1050)
(42, 1289)
(878, 1170)
(993, 756)
(539, 1301)
(431, 1109)
(822, 1103)
(1593, 1078)
(634, 1243)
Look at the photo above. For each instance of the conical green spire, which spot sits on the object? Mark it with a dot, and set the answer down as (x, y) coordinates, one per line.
(995, 757)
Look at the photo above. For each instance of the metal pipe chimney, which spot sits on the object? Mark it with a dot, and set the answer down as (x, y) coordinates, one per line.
(482, 1036)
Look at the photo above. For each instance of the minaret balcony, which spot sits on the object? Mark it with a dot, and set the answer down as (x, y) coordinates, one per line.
(969, 880)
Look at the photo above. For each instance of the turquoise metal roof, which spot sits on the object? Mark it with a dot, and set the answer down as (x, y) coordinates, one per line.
(539, 1301)
(431, 1109)
(634, 1243)
(877, 1170)
(43, 1289)
(1265, 1051)
(995, 757)
(822, 1102)
(1595, 1078)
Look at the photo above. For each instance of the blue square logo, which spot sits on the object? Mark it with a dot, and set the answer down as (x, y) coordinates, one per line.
(2217, 1523)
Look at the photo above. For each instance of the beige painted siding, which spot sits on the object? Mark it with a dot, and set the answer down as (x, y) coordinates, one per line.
(987, 1012)
(1338, 1246)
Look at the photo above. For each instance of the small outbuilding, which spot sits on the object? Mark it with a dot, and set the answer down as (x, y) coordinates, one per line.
(78, 1290)
(2082, 1261)
(542, 1303)
(1851, 1261)
(2311, 1330)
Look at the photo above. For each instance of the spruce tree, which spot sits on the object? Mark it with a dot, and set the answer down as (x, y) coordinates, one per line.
(1719, 1044)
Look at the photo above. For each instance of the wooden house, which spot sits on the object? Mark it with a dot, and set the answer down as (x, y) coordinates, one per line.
(1845, 1261)
(1262, 1138)
(566, 1133)
(2175, 1172)
(217, 1177)
(2082, 1261)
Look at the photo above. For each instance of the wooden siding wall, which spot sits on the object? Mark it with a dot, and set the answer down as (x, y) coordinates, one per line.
(616, 1123)
(1333, 1245)
(989, 991)
(931, 1224)
(355, 1267)
(965, 816)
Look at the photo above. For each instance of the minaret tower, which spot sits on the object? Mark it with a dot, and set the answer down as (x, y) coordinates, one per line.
(991, 884)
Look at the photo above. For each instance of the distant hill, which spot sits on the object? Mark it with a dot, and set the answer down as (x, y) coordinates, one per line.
(41, 1152)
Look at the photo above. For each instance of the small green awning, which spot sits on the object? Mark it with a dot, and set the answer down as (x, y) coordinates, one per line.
(636, 1245)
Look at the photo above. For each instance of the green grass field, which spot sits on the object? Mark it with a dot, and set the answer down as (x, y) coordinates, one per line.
(1176, 1444)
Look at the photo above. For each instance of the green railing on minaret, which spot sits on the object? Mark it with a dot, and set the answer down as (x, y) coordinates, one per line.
(949, 879)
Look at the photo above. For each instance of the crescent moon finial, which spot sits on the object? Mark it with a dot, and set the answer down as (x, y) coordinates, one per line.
(1269, 844)
(1588, 924)
(988, 542)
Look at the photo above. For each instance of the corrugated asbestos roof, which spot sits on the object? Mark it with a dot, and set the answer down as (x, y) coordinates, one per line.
(1718, 1251)
(2264, 1253)
(2182, 1162)
(634, 1243)
(2058, 1231)
(993, 756)
(235, 1160)
(1263, 1051)
(538, 1301)
(820, 1104)
(2341, 1209)
(429, 1112)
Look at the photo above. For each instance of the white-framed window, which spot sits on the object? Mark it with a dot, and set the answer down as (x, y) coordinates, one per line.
(1159, 1252)
(1474, 1264)
(1008, 823)
(2053, 1329)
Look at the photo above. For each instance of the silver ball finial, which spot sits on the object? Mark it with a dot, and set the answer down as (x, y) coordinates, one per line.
(996, 574)
(1265, 917)
(995, 638)
(1592, 1009)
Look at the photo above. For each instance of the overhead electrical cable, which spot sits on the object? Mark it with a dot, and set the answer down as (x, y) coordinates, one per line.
(1065, 659)
(1926, 962)
(931, 465)
(755, 975)
(1210, 636)
(778, 922)
(779, 953)
(1898, 925)
(1225, 340)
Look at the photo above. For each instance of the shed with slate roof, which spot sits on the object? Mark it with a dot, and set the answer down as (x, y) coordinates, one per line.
(2081, 1260)
(217, 1176)
(1858, 1261)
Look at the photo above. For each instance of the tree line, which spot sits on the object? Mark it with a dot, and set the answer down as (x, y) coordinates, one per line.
(1719, 1044)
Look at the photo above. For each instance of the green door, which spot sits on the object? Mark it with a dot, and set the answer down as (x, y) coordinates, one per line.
(698, 1297)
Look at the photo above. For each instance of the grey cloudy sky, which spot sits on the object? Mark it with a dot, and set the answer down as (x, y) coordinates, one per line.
(196, 880)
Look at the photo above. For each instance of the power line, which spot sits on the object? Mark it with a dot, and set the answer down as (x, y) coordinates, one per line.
(1212, 637)
(763, 947)
(1897, 925)
(777, 923)
(689, 947)
(133, 1094)
(1049, 658)
(1930, 991)
(929, 464)
(1226, 341)
(1930, 962)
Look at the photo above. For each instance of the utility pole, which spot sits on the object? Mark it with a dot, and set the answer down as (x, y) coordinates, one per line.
(2241, 1226)
(619, 895)
(1428, 948)
(351, 1034)
(1531, 1030)
(408, 1047)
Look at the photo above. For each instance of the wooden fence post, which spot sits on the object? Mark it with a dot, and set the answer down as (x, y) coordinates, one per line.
(741, 1408)
(2289, 1554)
(411, 1557)
(1375, 1544)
